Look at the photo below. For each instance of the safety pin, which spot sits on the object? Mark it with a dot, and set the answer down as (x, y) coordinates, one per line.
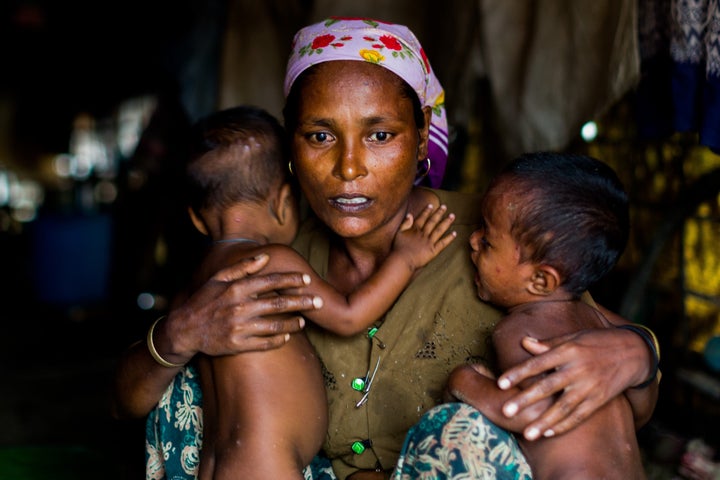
(370, 378)
(371, 335)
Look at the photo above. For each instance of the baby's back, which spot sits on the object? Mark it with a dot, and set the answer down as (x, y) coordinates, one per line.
(265, 412)
(605, 445)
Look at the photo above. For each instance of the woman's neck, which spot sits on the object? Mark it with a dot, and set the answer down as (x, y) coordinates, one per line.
(353, 260)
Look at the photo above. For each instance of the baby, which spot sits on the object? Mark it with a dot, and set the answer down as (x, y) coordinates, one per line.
(553, 225)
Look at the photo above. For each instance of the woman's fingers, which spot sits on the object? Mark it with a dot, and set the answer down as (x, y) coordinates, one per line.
(251, 290)
(545, 359)
(243, 268)
(244, 281)
(565, 414)
(267, 333)
(238, 310)
(567, 411)
(580, 372)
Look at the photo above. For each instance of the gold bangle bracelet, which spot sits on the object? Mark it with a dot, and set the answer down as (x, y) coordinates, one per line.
(154, 352)
(651, 341)
(652, 335)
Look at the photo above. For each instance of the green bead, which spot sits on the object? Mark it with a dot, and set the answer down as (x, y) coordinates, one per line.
(372, 332)
(358, 384)
(358, 447)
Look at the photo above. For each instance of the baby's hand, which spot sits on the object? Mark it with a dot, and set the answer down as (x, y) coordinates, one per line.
(422, 239)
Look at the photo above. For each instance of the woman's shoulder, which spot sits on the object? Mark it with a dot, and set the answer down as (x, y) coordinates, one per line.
(465, 206)
(312, 243)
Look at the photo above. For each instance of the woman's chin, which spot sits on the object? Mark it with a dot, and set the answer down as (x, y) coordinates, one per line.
(349, 227)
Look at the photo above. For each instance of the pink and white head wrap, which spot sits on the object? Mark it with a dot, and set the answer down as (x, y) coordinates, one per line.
(391, 46)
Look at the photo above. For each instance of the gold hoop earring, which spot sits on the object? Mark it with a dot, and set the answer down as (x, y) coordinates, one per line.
(290, 168)
(422, 173)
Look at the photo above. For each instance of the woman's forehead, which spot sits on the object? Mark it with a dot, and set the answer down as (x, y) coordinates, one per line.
(356, 90)
(354, 72)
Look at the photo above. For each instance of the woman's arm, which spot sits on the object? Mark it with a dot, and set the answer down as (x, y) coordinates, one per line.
(644, 397)
(225, 316)
(588, 368)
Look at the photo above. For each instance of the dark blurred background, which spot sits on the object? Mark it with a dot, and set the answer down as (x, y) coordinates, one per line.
(95, 100)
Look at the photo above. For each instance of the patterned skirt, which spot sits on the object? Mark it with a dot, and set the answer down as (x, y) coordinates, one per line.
(455, 441)
(451, 441)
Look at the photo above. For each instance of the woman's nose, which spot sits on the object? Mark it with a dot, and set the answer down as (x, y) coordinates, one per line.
(350, 163)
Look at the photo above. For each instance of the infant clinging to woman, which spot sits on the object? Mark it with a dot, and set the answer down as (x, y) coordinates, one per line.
(553, 225)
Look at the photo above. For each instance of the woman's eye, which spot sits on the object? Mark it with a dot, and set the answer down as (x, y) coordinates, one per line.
(380, 136)
(318, 137)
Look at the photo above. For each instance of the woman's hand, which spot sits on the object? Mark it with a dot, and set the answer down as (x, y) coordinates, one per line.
(234, 313)
(227, 315)
(588, 368)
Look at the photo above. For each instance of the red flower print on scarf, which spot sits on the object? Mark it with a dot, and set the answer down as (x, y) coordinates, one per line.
(390, 42)
(322, 41)
(425, 60)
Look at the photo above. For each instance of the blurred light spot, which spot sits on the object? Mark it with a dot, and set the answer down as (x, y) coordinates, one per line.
(146, 301)
(4, 188)
(105, 191)
(25, 198)
(133, 116)
(24, 214)
(589, 131)
(63, 165)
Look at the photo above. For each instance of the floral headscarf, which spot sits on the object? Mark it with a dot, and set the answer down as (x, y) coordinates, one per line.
(391, 46)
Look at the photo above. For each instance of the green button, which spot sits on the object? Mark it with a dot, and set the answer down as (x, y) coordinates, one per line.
(358, 447)
(372, 331)
(358, 384)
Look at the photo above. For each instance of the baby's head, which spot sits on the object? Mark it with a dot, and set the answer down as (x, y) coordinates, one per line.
(237, 155)
(565, 212)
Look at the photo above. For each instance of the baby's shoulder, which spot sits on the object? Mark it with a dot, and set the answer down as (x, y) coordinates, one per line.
(283, 258)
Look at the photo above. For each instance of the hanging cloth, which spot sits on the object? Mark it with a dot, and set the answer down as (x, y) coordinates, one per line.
(680, 57)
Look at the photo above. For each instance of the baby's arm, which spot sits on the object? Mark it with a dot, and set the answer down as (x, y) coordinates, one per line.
(476, 386)
(415, 245)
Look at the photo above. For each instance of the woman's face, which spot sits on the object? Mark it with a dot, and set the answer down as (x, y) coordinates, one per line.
(356, 147)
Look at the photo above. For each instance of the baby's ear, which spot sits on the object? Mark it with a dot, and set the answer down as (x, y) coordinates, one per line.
(197, 221)
(544, 281)
(285, 204)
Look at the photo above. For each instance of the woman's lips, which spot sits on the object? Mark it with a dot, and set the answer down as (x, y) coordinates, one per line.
(350, 203)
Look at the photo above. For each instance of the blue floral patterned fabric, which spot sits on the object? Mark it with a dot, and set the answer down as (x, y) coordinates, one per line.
(173, 434)
(451, 441)
(174, 430)
(455, 441)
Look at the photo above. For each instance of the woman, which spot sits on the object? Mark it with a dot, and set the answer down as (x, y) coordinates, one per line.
(361, 104)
